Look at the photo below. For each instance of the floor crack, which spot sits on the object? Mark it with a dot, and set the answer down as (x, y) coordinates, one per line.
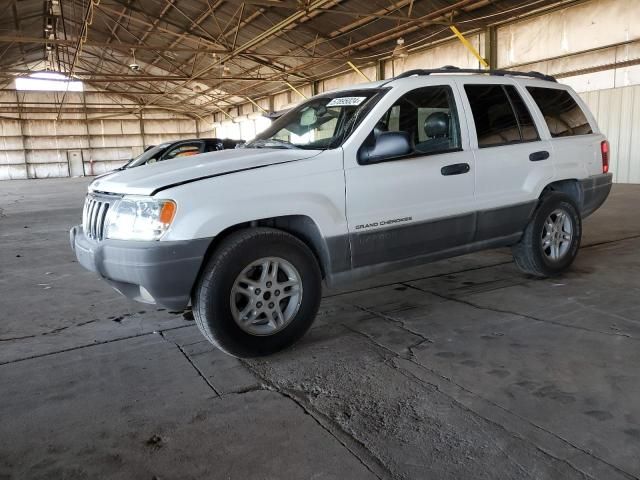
(401, 323)
(52, 331)
(322, 421)
(10, 339)
(517, 314)
(606, 242)
(89, 345)
(195, 367)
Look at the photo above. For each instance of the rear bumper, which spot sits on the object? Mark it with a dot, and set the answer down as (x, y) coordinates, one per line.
(595, 191)
(161, 273)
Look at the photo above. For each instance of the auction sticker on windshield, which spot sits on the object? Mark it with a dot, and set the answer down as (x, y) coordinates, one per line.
(346, 101)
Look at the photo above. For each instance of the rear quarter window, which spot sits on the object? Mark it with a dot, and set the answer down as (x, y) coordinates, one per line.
(562, 113)
(500, 115)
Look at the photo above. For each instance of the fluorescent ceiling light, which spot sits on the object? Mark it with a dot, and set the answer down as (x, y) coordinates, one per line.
(48, 82)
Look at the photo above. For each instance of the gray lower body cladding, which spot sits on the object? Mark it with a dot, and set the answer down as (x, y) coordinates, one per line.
(595, 191)
(424, 238)
(383, 250)
(166, 271)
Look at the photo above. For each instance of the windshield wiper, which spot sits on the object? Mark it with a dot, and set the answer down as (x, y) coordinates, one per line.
(270, 143)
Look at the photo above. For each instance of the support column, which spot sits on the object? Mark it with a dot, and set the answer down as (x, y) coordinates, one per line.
(141, 120)
(271, 104)
(24, 144)
(380, 70)
(86, 124)
(491, 47)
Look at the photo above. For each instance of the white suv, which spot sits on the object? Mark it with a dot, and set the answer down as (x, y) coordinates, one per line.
(427, 165)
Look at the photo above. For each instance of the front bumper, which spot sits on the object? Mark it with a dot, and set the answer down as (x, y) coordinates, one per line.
(161, 273)
(595, 191)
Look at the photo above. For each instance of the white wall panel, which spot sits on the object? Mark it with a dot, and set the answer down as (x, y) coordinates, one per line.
(347, 79)
(13, 172)
(109, 154)
(46, 156)
(10, 143)
(618, 77)
(168, 126)
(108, 141)
(48, 170)
(56, 143)
(98, 167)
(48, 128)
(12, 157)
(281, 100)
(168, 137)
(570, 30)
(617, 112)
(10, 127)
(450, 53)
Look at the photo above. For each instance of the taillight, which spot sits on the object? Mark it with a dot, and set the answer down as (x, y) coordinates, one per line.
(604, 148)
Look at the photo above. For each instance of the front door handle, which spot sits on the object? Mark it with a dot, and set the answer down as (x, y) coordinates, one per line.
(537, 156)
(455, 169)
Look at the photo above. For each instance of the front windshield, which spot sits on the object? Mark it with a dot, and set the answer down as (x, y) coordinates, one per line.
(146, 156)
(322, 122)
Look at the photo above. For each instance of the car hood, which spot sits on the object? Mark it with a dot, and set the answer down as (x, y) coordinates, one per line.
(147, 179)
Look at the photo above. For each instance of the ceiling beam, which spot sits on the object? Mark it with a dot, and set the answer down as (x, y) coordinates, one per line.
(260, 38)
(384, 36)
(13, 38)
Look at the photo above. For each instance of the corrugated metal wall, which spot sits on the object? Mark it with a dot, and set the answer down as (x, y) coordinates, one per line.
(617, 111)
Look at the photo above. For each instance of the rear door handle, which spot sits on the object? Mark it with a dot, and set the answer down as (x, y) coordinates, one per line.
(537, 156)
(455, 169)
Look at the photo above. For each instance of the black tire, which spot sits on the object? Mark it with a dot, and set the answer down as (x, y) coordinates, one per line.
(211, 296)
(529, 254)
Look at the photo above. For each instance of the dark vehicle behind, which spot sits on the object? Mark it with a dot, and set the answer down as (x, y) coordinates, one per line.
(180, 148)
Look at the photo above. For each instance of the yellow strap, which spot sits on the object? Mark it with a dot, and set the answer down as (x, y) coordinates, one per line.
(470, 47)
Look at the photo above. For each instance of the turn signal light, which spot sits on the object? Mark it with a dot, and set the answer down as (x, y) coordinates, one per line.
(167, 212)
(604, 148)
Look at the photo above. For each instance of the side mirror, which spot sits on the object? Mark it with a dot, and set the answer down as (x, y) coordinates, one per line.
(384, 146)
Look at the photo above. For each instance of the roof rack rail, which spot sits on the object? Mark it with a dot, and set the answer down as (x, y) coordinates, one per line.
(452, 69)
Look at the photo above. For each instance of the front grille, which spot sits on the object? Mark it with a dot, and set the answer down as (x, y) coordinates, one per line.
(94, 215)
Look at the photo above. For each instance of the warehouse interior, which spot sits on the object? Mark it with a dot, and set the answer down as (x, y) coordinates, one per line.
(463, 368)
(156, 71)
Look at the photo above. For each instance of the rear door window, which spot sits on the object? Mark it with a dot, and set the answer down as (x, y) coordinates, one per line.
(500, 115)
(562, 113)
(528, 130)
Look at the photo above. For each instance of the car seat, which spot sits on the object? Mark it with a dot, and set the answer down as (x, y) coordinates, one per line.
(436, 126)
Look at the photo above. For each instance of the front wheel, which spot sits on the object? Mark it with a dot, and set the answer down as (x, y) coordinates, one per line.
(258, 294)
(551, 240)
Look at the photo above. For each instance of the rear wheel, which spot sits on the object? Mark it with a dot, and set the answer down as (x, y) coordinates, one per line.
(258, 294)
(551, 240)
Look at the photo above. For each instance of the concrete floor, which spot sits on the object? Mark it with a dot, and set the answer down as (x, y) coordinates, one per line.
(460, 369)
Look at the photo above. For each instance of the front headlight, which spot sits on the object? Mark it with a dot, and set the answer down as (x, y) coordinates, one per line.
(140, 218)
